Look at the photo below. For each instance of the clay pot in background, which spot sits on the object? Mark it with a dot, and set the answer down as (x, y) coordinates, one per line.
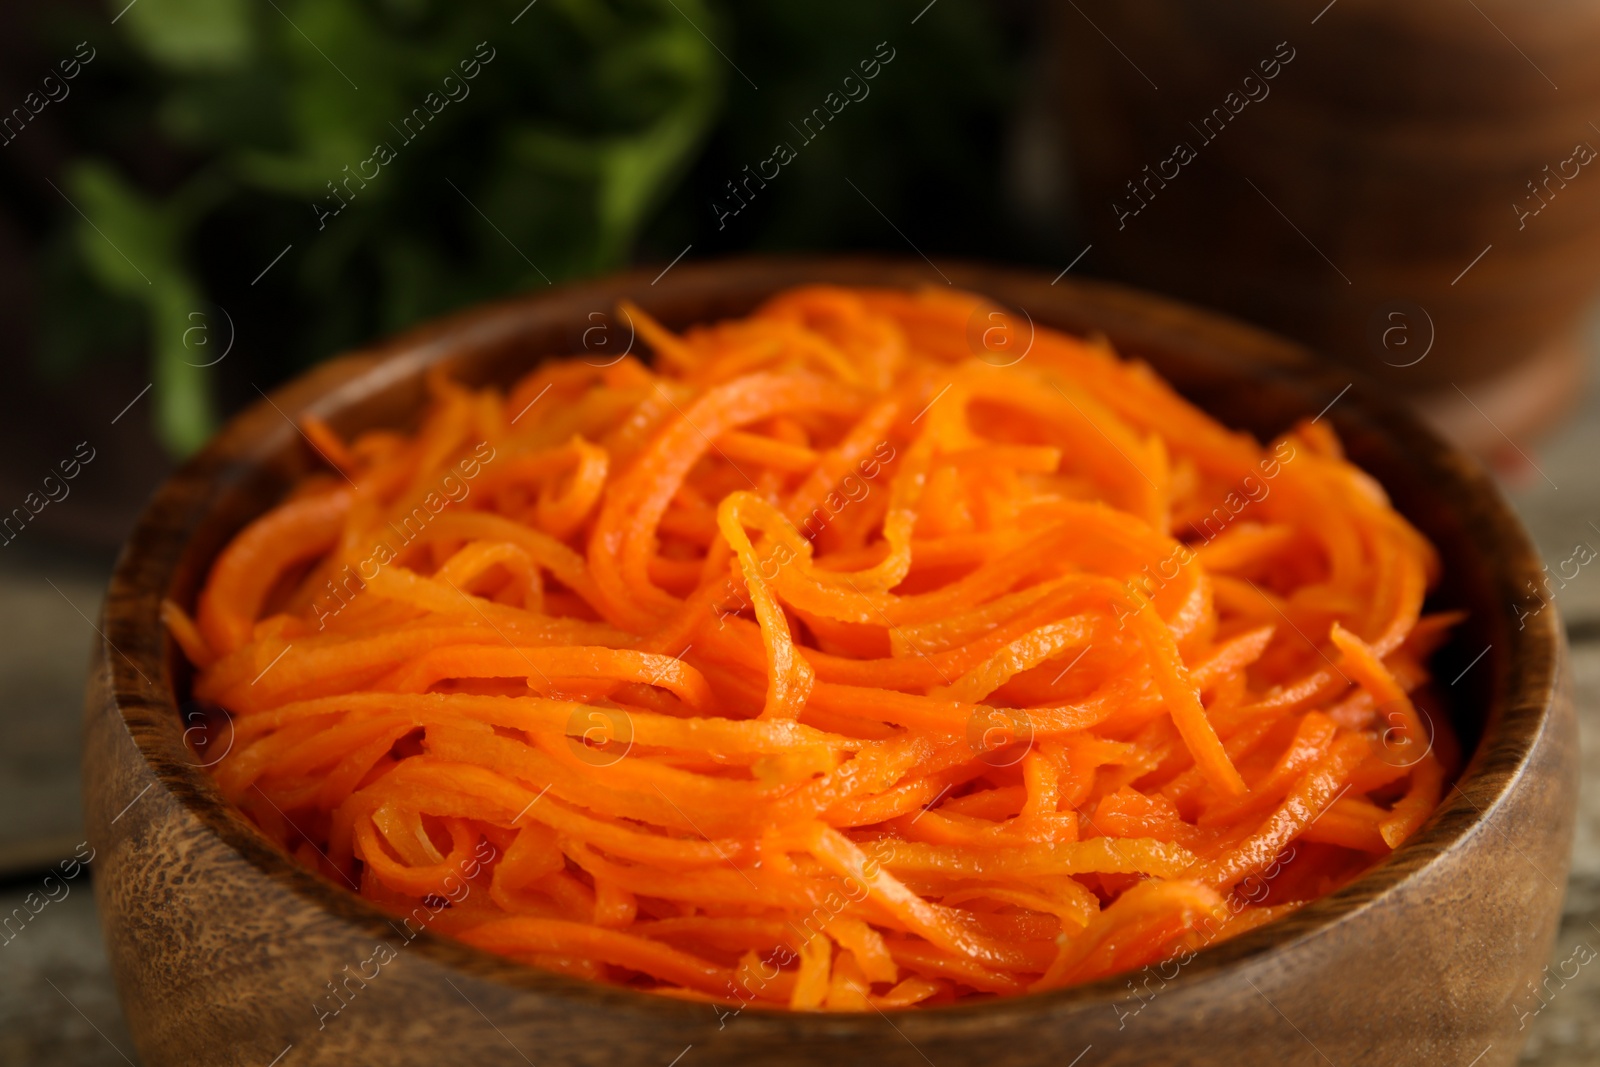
(1414, 191)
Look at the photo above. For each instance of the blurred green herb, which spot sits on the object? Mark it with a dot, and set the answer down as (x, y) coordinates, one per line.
(596, 124)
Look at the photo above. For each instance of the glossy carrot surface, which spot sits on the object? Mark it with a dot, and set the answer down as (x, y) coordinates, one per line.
(828, 663)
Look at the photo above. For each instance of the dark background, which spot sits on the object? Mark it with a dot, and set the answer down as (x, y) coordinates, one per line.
(192, 148)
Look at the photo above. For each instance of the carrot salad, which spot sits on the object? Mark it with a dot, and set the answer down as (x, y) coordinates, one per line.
(828, 660)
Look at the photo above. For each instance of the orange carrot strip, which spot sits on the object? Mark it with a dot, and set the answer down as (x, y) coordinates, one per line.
(820, 665)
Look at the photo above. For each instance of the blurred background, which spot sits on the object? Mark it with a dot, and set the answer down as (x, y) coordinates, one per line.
(200, 198)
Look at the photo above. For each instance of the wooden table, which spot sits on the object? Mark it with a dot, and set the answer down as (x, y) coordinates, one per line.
(57, 1002)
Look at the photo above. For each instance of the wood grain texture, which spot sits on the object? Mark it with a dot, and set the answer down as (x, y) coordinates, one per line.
(1377, 165)
(221, 945)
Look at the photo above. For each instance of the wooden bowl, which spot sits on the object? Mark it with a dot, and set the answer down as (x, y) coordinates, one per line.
(222, 945)
(1394, 189)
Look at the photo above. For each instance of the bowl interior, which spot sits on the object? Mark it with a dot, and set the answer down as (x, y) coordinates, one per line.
(1247, 379)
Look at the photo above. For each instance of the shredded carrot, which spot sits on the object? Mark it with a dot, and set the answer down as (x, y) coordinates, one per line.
(825, 665)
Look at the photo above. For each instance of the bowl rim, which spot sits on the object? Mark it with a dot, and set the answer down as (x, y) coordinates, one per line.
(1526, 672)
